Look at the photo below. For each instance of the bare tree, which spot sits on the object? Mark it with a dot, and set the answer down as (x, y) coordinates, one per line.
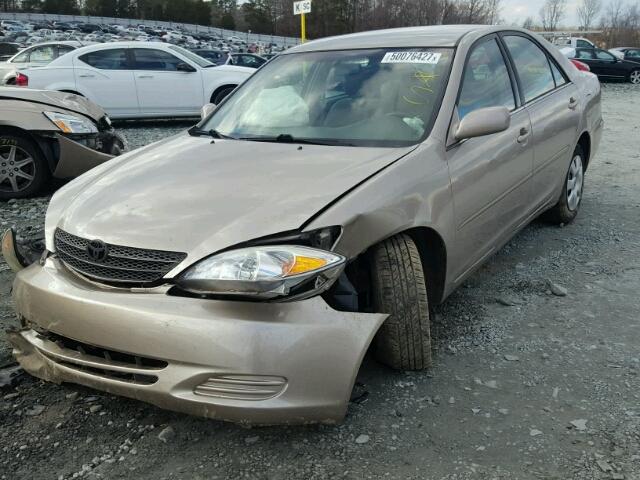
(551, 13)
(587, 12)
(528, 23)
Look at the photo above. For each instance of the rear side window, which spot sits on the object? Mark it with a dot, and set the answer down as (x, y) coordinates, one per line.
(632, 54)
(583, 44)
(486, 80)
(22, 58)
(113, 59)
(147, 59)
(532, 66)
(557, 75)
(586, 54)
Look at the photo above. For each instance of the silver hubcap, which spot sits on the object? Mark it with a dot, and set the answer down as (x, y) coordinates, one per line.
(574, 183)
(17, 169)
(635, 76)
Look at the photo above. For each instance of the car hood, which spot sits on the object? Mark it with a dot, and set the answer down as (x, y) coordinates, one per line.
(67, 101)
(191, 195)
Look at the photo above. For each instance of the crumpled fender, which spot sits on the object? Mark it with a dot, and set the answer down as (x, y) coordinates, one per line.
(76, 159)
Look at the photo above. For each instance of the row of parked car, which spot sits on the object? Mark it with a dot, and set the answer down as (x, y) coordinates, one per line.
(26, 34)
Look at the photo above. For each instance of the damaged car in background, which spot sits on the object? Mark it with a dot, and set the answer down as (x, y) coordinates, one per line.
(45, 135)
(241, 270)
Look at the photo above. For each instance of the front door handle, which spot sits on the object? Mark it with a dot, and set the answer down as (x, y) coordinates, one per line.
(86, 75)
(573, 103)
(524, 134)
(145, 76)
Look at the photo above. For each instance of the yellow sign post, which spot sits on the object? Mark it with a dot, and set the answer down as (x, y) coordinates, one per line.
(300, 8)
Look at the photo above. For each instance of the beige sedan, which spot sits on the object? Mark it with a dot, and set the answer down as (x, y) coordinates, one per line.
(241, 270)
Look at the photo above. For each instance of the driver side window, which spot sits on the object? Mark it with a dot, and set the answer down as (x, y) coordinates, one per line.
(486, 81)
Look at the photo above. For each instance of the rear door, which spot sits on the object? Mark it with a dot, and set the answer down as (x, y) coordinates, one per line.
(106, 78)
(552, 102)
(162, 88)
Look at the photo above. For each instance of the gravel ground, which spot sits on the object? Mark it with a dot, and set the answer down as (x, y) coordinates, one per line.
(528, 382)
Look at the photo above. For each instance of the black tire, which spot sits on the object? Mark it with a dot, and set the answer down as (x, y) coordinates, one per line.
(404, 339)
(218, 97)
(39, 169)
(634, 76)
(561, 213)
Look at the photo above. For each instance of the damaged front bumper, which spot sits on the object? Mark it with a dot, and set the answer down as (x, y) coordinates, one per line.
(245, 362)
(74, 158)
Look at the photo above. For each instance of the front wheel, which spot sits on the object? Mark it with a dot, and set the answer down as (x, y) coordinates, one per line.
(399, 289)
(566, 210)
(23, 169)
(634, 77)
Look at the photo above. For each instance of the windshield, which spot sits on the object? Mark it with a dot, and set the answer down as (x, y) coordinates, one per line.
(197, 59)
(382, 97)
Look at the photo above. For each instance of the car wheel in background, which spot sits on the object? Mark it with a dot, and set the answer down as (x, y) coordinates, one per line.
(222, 94)
(567, 207)
(23, 169)
(399, 289)
(634, 77)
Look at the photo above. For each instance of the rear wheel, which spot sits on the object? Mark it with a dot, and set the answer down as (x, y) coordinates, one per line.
(567, 207)
(634, 77)
(23, 170)
(399, 289)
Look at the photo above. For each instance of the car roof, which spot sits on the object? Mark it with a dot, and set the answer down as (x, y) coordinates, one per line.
(432, 36)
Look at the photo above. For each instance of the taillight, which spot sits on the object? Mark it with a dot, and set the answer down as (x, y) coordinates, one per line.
(22, 80)
(580, 65)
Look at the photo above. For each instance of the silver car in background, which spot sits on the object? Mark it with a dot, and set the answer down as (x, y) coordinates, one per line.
(242, 269)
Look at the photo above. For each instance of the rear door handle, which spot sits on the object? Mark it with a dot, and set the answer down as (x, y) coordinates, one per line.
(524, 134)
(145, 76)
(86, 75)
(573, 103)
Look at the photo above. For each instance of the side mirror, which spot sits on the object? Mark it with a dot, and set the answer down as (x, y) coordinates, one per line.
(207, 110)
(484, 121)
(185, 67)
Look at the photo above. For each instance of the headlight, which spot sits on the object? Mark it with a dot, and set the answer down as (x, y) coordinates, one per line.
(264, 272)
(71, 123)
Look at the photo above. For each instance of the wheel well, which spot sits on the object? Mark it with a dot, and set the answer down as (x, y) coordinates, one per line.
(585, 142)
(73, 92)
(40, 144)
(353, 290)
(219, 89)
(433, 254)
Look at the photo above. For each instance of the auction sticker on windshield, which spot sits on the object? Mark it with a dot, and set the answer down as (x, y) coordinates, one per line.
(411, 57)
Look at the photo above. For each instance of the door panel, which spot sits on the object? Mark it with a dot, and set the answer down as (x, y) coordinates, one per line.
(490, 175)
(105, 77)
(491, 183)
(554, 121)
(162, 89)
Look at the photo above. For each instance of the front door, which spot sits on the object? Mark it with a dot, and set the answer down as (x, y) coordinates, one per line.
(490, 175)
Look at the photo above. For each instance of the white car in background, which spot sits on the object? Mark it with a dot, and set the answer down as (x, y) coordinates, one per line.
(37, 55)
(139, 79)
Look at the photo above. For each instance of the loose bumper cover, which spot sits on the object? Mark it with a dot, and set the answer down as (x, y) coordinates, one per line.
(258, 363)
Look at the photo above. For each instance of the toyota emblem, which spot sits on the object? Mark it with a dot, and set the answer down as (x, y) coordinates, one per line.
(97, 250)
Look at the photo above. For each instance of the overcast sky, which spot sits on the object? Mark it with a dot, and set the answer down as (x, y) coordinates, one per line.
(515, 11)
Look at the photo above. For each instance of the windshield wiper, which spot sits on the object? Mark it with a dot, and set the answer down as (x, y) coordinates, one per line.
(213, 133)
(287, 138)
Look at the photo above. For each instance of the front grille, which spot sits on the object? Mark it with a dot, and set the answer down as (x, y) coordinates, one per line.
(121, 265)
(103, 362)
